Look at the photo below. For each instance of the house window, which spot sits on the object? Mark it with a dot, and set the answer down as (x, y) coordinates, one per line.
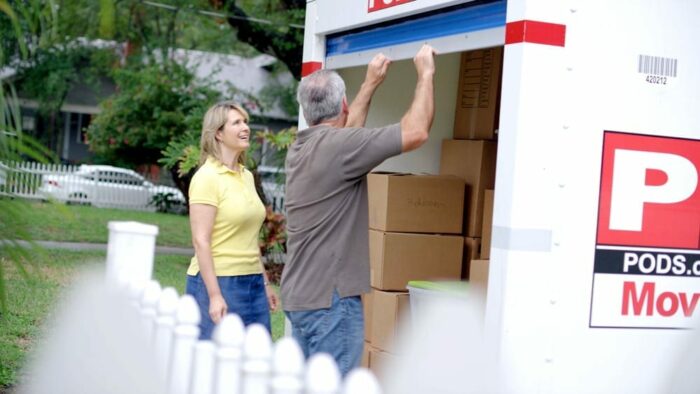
(78, 126)
(28, 123)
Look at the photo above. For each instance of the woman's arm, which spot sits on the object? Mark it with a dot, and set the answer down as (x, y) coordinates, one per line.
(202, 223)
(272, 298)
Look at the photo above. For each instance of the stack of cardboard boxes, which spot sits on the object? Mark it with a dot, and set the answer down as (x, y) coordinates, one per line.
(434, 227)
(471, 155)
(415, 234)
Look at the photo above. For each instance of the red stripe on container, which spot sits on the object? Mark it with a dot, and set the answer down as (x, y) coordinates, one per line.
(309, 67)
(536, 33)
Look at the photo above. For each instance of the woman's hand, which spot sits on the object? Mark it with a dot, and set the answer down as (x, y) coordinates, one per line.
(217, 308)
(272, 298)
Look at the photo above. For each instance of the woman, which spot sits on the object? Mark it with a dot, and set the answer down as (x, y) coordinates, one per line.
(226, 274)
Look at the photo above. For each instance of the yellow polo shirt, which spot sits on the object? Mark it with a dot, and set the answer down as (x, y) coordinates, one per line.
(239, 215)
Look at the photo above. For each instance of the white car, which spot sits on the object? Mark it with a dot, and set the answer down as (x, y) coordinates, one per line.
(110, 187)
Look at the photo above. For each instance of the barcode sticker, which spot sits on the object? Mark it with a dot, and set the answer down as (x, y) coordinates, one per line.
(659, 66)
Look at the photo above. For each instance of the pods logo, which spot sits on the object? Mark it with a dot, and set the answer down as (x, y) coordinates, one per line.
(648, 233)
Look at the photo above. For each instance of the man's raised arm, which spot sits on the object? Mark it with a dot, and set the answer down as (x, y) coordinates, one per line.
(376, 71)
(416, 123)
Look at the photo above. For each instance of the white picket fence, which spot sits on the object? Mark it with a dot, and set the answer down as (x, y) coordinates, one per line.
(23, 179)
(238, 359)
(108, 187)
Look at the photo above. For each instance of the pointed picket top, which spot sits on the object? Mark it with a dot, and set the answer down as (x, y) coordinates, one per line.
(229, 335)
(183, 342)
(287, 367)
(258, 344)
(257, 360)
(167, 305)
(164, 328)
(229, 332)
(188, 311)
(322, 375)
(361, 381)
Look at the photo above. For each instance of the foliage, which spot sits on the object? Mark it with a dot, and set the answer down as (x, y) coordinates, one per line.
(14, 145)
(273, 234)
(149, 110)
(283, 38)
(165, 202)
(53, 71)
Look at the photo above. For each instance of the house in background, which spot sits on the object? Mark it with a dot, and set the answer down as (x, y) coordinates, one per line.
(249, 76)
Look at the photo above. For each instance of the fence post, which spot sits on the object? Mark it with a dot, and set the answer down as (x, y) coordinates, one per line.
(202, 381)
(287, 367)
(322, 375)
(149, 308)
(257, 360)
(130, 252)
(135, 292)
(361, 381)
(163, 335)
(228, 336)
(184, 338)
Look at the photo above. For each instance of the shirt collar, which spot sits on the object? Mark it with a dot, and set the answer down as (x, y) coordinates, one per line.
(222, 169)
(308, 132)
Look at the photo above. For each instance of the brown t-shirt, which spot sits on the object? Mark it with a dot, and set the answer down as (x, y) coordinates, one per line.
(327, 214)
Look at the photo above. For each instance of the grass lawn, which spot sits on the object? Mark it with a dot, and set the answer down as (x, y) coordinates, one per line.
(31, 301)
(75, 223)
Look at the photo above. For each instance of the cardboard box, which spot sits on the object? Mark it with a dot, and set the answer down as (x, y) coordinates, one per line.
(479, 273)
(475, 163)
(367, 313)
(380, 363)
(478, 94)
(479, 281)
(487, 225)
(390, 315)
(415, 203)
(365, 355)
(397, 258)
(472, 250)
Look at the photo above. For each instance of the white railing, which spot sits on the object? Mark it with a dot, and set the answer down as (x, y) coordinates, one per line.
(237, 360)
(24, 179)
(100, 186)
(275, 195)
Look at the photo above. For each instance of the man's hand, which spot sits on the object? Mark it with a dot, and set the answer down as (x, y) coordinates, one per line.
(376, 69)
(425, 61)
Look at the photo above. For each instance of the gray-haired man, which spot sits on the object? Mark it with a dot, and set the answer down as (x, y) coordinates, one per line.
(327, 264)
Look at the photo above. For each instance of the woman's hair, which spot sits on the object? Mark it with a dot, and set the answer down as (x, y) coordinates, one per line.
(214, 120)
(321, 96)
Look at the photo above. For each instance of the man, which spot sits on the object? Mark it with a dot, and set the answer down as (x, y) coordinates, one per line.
(327, 264)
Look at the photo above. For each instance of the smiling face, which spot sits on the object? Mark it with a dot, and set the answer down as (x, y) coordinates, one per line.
(235, 134)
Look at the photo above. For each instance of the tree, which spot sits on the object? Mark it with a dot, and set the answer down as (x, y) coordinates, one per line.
(154, 104)
(50, 74)
(282, 40)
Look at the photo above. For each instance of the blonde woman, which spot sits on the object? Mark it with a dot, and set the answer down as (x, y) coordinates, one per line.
(226, 274)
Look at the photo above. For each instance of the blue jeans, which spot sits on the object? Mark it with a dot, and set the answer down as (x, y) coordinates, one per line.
(244, 295)
(338, 331)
